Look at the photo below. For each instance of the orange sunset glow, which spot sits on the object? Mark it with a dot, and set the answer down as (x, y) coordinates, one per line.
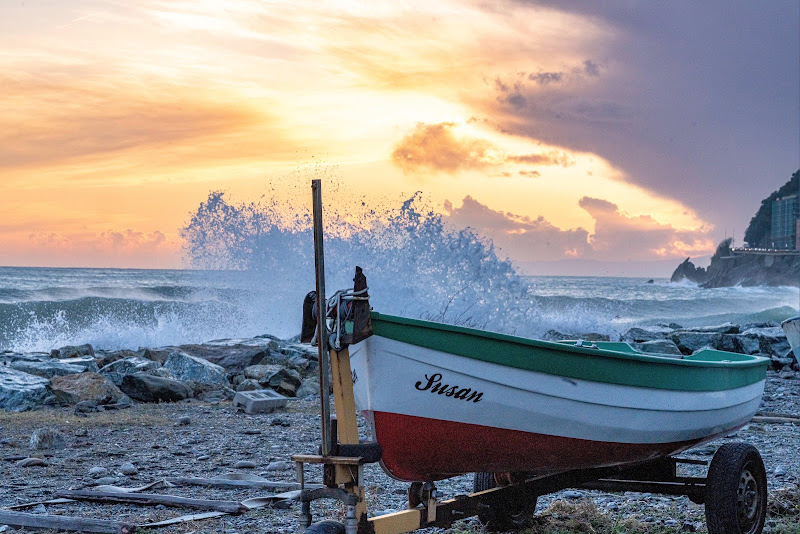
(119, 118)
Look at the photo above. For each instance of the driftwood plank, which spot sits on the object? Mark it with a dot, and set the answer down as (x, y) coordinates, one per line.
(59, 522)
(233, 483)
(153, 499)
(183, 519)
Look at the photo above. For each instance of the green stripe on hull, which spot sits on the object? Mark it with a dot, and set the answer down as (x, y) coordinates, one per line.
(705, 371)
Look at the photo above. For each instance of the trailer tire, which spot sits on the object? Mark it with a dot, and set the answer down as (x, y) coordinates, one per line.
(736, 490)
(325, 527)
(503, 514)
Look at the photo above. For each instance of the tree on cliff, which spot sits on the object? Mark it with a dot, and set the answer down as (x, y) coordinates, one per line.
(759, 232)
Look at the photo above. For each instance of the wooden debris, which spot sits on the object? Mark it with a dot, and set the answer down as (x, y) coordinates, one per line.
(183, 519)
(224, 482)
(153, 499)
(37, 503)
(59, 522)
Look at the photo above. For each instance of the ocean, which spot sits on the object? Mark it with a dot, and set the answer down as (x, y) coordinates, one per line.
(45, 308)
(252, 264)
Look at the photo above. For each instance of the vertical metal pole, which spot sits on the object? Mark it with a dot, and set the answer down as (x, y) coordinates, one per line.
(322, 331)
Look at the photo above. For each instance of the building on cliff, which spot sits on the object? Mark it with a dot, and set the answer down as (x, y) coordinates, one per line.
(786, 222)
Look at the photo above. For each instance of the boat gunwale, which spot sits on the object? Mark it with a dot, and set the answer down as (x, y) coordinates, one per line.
(747, 360)
(712, 373)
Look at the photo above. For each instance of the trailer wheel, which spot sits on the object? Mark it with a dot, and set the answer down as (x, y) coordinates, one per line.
(736, 491)
(325, 527)
(503, 514)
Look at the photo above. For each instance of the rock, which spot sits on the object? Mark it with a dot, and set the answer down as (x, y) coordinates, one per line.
(85, 407)
(572, 494)
(724, 328)
(787, 374)
(248, 385)
(640, 335)
(779, 363)
(688, 342)
(148, 388)
(127, 366)
(128, 469)
(594, 336)
(280, 421)
(87, 362)
(156, 355)
(187, 367)
(688, 271)
(183, 420)
(232, 358)
(97, 471)
(105, 481)
(47, 438)
(244, 464)
(32, 462)
(103, 357)
(39, 509)
(259, 372)
(659, 346)
(71, 351)
(94, 387)
(46, 368)
(308, 388)
(20, 391)
(278, 466)
(779, 471)
(285, 382)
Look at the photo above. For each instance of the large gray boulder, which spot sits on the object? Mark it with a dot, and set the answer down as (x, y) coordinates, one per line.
(93, 387)
(127, 366)
(72, 351)
(87, 362)
(148, 388)
(20, 391)
(688, 341)
(286, 382)
(46, 368)
(259, 372)
(232, 358)
(186, 367)
(641, 335)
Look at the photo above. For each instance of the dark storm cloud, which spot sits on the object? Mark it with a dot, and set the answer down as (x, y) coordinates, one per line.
(696, 101)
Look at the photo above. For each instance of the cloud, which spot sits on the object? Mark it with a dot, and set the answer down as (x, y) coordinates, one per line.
(436, 147)
(679, 97)
(616, 235)
(50, 119)
(522, 238)
(109, 248)
(550, 158)
(639, 237)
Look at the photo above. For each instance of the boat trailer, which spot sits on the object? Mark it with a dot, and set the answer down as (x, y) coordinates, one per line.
(734, 491)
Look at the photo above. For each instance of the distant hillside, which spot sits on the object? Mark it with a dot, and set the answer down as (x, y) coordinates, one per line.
(760, 229)
(729, 269)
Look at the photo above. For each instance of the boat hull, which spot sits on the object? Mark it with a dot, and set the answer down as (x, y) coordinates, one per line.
(438, 414)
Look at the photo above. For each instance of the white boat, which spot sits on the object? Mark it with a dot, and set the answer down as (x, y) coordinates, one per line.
(792, 329)
(444, 400)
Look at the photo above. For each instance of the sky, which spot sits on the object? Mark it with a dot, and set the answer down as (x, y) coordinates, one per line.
(608, 138)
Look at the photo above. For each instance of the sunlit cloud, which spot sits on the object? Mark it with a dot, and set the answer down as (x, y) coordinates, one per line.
(616, 235)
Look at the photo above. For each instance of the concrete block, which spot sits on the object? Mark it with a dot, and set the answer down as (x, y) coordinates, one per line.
(259, 401)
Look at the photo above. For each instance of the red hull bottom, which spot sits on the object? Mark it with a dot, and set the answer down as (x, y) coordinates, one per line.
(420, 449)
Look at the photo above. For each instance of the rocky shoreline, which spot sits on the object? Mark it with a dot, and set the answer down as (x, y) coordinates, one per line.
(80, 418)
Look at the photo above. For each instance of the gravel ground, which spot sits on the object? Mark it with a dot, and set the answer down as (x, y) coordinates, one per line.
(159, 444)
